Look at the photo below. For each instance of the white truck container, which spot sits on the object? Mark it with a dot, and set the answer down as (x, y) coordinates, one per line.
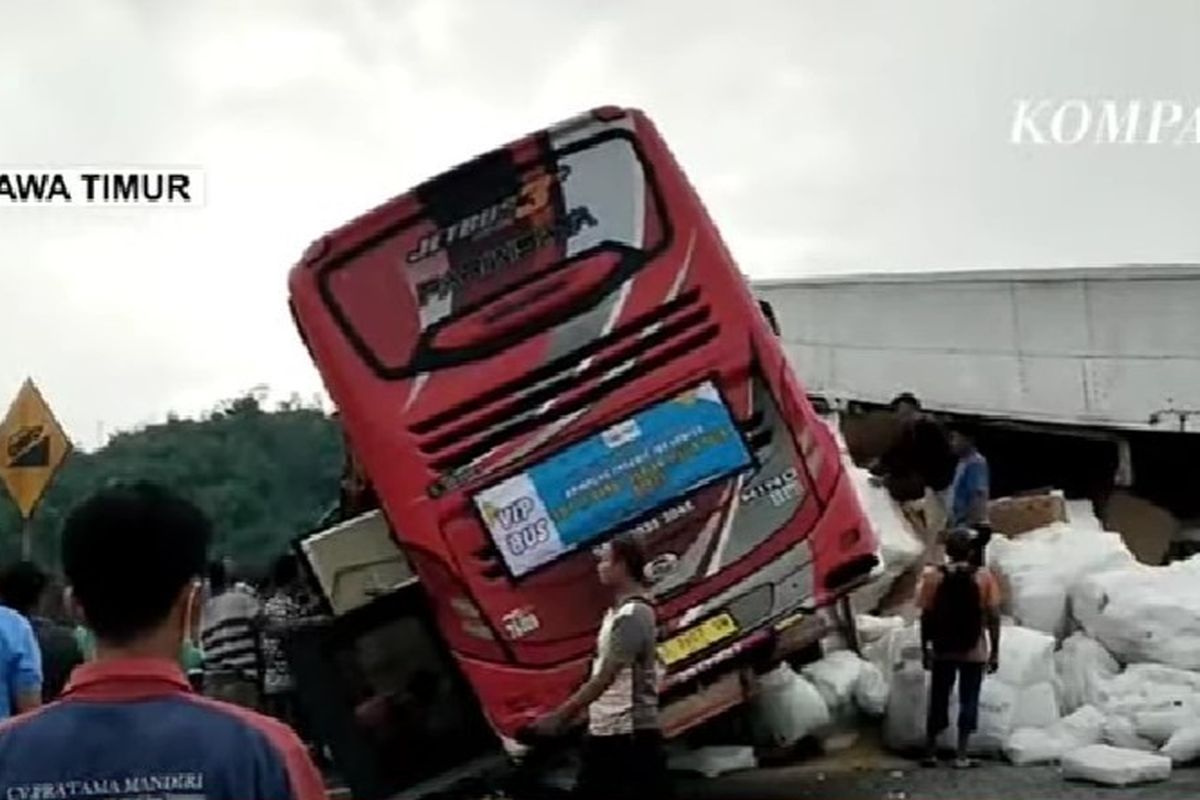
(1104, 348)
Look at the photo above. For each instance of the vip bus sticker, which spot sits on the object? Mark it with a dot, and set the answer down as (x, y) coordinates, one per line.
(510, 515)
(528, 537)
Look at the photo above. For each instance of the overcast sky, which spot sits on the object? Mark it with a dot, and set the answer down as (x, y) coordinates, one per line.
(824, 136)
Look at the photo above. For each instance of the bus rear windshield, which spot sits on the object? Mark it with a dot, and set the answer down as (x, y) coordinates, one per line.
(426, 291)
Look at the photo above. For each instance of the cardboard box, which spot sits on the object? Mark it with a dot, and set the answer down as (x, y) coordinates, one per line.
(1013, 516)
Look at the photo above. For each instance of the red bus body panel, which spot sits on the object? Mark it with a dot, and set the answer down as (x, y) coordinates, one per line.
(519, 358)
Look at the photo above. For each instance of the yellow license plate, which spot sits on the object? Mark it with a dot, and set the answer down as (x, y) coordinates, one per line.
(693, 640)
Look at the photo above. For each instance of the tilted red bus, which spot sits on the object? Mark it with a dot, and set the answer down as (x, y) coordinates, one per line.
(550, 344)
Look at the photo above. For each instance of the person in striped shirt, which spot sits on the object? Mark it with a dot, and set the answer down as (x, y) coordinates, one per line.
(229, 641)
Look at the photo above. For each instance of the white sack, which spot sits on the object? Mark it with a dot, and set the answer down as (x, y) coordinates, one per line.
(1144, 614)
(1082, 516)
(1164, 698)
(1090, 593)
(1037, 706)
(997, 708)
(1149, 688)
(1160, 726)
(895, 649)
(713, 761)
(1184, 745)
(1028, 746)
(1026, 657)
(871, 690)
(899, 545)
(1084, 727)
(1121, 732)
(835, 676)
(1039, 568)
(1083, 667)
(904, 722)
(1112, 766)
(1159, 676)
(1046, 745)
(871, 628)
(786, 709)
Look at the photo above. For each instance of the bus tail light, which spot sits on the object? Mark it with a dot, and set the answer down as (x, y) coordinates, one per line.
(471, 619)
(813, 453)
(849, 538)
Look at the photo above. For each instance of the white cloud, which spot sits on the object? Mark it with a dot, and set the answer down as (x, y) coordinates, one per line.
(824, 135)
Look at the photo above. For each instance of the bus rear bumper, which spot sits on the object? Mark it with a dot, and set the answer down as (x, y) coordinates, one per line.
(725, 681)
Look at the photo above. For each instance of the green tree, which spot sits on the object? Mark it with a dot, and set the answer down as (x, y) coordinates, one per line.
(263, 477)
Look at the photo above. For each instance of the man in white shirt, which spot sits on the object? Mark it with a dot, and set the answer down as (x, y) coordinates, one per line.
(622, 754)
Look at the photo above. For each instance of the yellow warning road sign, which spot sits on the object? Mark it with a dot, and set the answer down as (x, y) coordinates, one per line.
(32, 448)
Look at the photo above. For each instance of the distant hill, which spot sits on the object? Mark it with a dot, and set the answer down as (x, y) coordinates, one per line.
(262, 477)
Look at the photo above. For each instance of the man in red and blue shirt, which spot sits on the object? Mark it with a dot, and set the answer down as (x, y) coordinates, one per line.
(128, 724)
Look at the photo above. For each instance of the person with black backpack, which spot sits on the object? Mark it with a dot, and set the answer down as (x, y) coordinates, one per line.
(960, 639)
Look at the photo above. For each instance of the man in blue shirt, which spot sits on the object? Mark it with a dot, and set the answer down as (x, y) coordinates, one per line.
(20, 665)
(970, 491)
(23, 587)
(128, 724)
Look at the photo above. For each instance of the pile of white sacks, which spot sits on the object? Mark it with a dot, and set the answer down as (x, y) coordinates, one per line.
(1099, 662)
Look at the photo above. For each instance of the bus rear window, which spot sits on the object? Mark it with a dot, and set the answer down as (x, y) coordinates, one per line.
(484, 231)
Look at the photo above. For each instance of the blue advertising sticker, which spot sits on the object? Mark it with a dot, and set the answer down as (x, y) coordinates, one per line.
(613, 477)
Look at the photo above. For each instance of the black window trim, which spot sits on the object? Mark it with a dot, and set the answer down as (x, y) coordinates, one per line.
(427, 359)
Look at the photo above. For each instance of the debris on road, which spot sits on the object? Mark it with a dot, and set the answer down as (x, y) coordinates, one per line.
(1050, 744)
(1038, 568)
(787, 709)
(1184, 745)
(1097, 651)
(713, 761)
(1112, 766)
(1099, 670)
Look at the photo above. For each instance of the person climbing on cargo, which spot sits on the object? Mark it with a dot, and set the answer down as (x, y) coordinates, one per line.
(920, 464)
(622, 754)
(960, 638)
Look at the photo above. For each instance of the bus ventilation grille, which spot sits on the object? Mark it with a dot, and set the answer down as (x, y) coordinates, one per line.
(453, 438)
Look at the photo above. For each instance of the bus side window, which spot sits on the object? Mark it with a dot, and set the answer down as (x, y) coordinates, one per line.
(769, 313)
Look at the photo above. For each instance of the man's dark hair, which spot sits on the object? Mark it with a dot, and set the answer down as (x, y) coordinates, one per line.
(218, 576)
(128, 551)
(22, 586)
(905, 398)
(960, 544)
(628, 550)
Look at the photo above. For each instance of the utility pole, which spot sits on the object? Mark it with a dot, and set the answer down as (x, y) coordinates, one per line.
(27, 539)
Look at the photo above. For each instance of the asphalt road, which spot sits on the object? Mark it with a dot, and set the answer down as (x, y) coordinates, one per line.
(988, 782)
